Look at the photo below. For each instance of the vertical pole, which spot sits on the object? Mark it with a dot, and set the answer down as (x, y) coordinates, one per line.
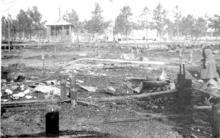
(9, 35)
(59, 14)
(180, 55)
(70, 34)
(55, 47)
(191, 57)
(63, 88)
(73, 91)
(43, 63)
(215, 119)
(146, 29)
(184, 72)
(180, 68)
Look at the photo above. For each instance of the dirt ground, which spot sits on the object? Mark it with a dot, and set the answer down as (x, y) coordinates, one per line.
(151, 117)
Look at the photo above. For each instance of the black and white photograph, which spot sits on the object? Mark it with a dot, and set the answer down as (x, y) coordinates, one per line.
(110, 68)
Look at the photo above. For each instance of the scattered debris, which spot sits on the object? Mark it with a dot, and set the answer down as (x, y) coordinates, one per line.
(83, 54)
(143, 59)
(8, 91)
(89, 88)
(136, 88)
(4, 100)
(163, 76)
(20, 78)
(127, 56)
(27, 91)
(28, 97)
(111, 88)
(172, 86)
(18, 95)
(80, 81)
(47, 89)
(20, 87)
(52, 82)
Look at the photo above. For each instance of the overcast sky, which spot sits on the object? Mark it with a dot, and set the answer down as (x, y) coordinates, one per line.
(111, 8)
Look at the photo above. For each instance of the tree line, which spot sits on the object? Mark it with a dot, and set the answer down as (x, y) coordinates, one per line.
(29, 23)
(26, 24)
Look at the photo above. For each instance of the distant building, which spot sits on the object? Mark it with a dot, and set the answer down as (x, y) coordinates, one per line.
(60, 31)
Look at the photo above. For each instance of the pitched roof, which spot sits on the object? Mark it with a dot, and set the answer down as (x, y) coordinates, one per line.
(59, 22)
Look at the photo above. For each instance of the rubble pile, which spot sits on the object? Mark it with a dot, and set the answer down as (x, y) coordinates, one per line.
(24, 91)
(16, 86)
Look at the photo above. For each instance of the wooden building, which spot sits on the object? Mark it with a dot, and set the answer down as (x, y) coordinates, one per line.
(60, 31)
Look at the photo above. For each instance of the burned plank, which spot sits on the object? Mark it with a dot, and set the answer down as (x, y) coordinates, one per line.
(36, 102)
(128, 97)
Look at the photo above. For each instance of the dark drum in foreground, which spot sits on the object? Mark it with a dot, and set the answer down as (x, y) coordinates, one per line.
(52, 123)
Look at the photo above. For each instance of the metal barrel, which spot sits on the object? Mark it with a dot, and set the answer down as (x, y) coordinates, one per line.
(52, 124)
(215, 121)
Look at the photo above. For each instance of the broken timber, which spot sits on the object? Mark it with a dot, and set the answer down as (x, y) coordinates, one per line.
(215, 92)
(35, 102)
(118, 61)
(124, 61)
(128, 97)
(202, 107)
(82, 100)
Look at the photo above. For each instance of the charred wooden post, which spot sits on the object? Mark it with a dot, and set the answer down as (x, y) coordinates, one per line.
(43, 63)
(73, 91)
(183, 98)
(184, 88)
(9, 34)
(63, 88)
(181, 75)
(215, 119)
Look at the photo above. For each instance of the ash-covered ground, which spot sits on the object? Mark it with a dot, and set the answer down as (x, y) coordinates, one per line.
(25, 72)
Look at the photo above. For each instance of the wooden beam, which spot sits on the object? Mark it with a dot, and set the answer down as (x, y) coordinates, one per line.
(117, 61)
(129, 97)
(215, 92)
(202, 107)
(35, 102)
(83, 100)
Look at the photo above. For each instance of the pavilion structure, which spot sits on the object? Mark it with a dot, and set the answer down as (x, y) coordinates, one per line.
(59, 31)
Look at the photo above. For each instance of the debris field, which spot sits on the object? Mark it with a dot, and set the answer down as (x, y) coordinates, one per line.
(119, 94)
